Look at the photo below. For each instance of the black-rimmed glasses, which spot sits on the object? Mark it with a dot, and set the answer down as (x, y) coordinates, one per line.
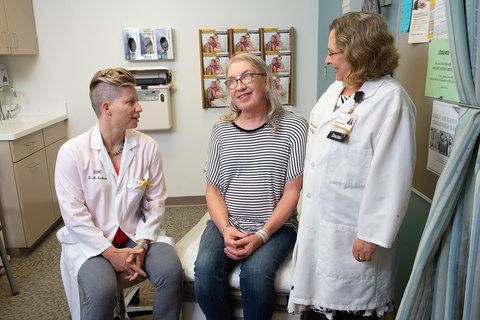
(245, 79)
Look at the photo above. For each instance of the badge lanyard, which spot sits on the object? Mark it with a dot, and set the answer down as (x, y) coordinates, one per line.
(345, 121)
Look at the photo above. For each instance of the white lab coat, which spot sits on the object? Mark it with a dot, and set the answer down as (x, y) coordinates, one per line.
(95, 201)
(356, 189)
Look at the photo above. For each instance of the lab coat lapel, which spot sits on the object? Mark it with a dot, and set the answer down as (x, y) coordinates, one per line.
(97, 144)
(370, 87)
(128, 154)
(327, 104)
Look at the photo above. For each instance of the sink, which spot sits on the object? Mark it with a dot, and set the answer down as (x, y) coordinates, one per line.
(22, 119)
(32, 118)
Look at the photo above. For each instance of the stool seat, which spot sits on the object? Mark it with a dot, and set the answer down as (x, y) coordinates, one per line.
(122, 310)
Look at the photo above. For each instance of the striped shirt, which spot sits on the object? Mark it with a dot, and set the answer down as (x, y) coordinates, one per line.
(250, 167)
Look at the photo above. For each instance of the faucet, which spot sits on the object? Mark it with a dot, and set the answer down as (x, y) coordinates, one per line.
(2, 115)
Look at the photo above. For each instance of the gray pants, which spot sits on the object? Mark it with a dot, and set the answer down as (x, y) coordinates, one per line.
(98, 279)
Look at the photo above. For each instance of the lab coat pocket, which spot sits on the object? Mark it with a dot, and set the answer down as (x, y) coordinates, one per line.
(135, 191)
(335, 259)
(349, 166)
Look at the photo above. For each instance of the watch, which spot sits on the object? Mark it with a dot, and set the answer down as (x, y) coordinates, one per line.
(143, 245)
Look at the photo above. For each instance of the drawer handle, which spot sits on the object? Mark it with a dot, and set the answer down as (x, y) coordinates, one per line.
(33, 165)
(9, 40)
(30, 144)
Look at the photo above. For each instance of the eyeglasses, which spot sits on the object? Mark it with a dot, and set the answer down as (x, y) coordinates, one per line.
(330, 54)
(245, 79)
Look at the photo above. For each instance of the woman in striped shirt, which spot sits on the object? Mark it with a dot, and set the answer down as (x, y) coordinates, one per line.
(254, 174)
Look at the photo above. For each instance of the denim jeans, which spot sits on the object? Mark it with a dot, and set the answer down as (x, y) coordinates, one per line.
(163, 268)
(257, 275)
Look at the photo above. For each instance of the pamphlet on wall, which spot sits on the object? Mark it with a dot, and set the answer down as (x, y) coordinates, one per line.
(440, 81)
(442, 131)
(419, 22)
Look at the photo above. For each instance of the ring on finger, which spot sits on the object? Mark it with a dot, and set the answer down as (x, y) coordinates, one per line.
(361, 260)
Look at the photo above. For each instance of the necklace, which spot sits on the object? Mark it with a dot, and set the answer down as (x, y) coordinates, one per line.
(118, 152)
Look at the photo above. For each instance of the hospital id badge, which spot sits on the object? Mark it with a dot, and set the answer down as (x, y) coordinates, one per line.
(342, 126)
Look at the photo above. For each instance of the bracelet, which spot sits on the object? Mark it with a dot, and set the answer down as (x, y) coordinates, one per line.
(143, 245)
(263, 234)
(223, 229)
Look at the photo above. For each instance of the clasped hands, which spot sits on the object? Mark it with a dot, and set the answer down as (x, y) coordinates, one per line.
(240, 245)
(127, 260)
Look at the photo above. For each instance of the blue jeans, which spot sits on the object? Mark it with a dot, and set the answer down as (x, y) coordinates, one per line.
(98, 280)
(257, 275)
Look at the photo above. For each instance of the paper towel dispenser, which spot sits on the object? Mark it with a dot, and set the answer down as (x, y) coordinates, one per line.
(153, 88)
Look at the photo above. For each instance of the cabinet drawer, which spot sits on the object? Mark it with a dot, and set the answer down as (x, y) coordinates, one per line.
(35, 197)
(27, 145)
(54, 133)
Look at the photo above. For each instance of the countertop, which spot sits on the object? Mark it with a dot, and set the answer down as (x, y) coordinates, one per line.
(30, 118)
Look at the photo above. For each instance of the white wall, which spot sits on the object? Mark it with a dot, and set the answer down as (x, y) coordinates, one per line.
(77, 38)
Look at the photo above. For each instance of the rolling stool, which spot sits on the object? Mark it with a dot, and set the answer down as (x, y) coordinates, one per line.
(8, 270)
(122, 310)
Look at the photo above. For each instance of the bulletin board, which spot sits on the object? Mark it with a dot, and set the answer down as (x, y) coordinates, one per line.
(412, 74)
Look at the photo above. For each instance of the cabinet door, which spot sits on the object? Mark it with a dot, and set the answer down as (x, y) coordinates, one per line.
(21, 25)
(52, 151)
(4, 35)
(35, 197)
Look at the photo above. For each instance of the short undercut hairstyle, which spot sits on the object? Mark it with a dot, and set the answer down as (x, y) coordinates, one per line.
(106, 85)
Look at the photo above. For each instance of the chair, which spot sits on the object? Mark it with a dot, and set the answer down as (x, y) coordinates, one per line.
(6, 264)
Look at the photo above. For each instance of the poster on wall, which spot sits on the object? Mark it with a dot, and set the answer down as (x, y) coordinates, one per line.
(148, 44)
(442, 131)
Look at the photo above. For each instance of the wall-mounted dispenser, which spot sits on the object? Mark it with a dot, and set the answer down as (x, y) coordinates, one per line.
(4, 76)
(153, 88)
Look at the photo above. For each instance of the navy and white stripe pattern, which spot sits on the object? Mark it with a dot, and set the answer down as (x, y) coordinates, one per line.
(341, 100)
(250, 167)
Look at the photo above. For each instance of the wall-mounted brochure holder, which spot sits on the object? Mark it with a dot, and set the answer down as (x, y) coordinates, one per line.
(274, 45)
(148, 44)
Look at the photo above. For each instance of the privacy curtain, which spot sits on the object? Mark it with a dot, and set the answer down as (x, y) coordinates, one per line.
(445, 279)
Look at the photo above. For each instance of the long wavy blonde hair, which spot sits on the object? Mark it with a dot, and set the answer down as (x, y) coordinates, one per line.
(275, 108)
